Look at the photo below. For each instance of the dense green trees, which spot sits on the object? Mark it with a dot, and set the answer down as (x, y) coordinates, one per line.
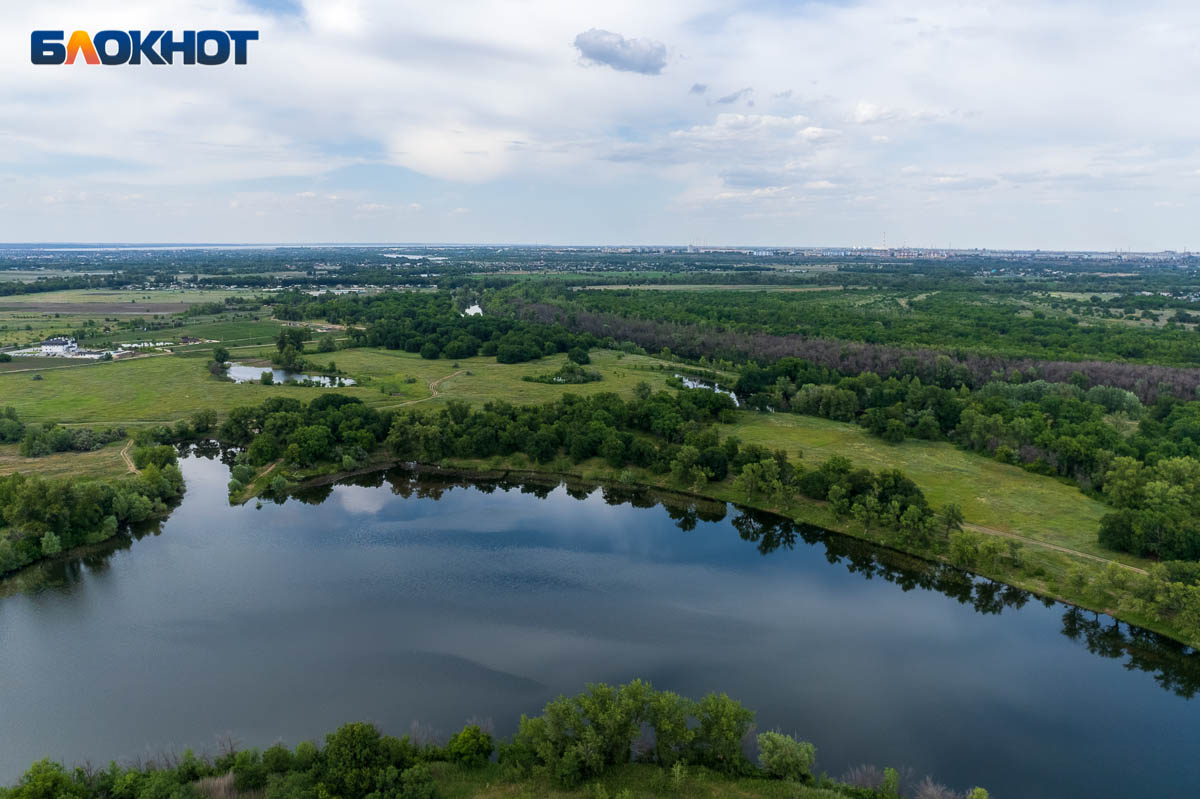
(973, 317)
(1159, 508)
(578, 738)
(41, 517)
(430, 324)
(668, 433)
(39, 440)
(11, 427)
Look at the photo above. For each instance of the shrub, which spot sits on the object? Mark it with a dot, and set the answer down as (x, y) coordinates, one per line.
(292, 785)
(243, 473)
(278, 759)
(471, 746)
(668, 715)
(724, 722)
(249, 773)
(51, 545)
(785, 758)
(306, 755)
(352, 760)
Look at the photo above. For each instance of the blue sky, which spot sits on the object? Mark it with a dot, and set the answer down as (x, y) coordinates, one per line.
(933, 122)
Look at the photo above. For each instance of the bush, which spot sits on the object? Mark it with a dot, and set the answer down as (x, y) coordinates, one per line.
(724, 723)
(668, 715)
(471, 746)
(278, 759)
(243, 473)
(249, 773)
(352, 760)
(785, 758)
(292, 785)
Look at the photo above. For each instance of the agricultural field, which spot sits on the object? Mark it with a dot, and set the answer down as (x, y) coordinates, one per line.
(30, 318)
(120, 300)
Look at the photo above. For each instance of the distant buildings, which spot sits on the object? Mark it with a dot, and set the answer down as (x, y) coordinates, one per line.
(59, 345)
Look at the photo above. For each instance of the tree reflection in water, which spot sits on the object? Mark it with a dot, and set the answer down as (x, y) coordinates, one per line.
(1174, 666)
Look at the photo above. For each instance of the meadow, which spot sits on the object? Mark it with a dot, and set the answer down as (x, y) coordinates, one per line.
(102, 463)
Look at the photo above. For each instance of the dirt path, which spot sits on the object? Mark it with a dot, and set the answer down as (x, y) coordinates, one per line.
(1034, 542)
(128, 460)
(433, 388)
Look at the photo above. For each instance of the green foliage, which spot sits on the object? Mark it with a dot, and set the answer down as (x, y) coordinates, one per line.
(51, 545)
(160, 456)
(40, 440)
(785, 758)
(204, 420)
(578, 741)
(724, 725)
(249, 771)
(471, 746)
(669, 715)
(40, 516)
(352, 760)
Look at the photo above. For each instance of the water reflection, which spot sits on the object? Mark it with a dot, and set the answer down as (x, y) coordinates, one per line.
(1174, 666)
(401, 595)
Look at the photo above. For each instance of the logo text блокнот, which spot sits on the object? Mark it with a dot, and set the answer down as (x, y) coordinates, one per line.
(115, 47)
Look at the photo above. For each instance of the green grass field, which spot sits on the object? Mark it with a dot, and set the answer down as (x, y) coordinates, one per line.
(991, 494)
(106, 462)
(165, 388)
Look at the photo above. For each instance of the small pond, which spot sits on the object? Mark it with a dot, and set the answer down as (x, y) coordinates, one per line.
(242, 373)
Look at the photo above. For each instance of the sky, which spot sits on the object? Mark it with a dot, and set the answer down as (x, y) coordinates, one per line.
(1046, 124)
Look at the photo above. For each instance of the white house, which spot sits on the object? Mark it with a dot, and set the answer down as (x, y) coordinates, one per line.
(59, 345)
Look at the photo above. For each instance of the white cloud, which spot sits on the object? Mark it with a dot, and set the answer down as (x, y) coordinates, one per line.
(999, 108)
(625, 55)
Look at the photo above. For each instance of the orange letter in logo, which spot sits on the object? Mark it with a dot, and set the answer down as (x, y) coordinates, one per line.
(81, 42)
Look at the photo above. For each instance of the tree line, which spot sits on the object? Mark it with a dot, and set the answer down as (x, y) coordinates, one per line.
(430, 324)
(575, 741)
(848, 357)
(42, 517)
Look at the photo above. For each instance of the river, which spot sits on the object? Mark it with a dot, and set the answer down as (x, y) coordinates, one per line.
(403, 599)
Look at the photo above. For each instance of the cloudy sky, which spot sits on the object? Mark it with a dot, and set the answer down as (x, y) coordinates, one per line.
(1014, 123)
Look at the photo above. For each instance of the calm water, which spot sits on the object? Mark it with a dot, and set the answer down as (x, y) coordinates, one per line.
(385, 602)
(240, 373)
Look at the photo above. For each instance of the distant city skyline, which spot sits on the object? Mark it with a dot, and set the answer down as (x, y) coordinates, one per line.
(925, 124)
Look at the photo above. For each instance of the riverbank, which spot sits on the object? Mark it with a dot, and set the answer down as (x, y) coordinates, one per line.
(1052, 572)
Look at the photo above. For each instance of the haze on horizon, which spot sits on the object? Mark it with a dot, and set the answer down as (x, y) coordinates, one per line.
(936, 123)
